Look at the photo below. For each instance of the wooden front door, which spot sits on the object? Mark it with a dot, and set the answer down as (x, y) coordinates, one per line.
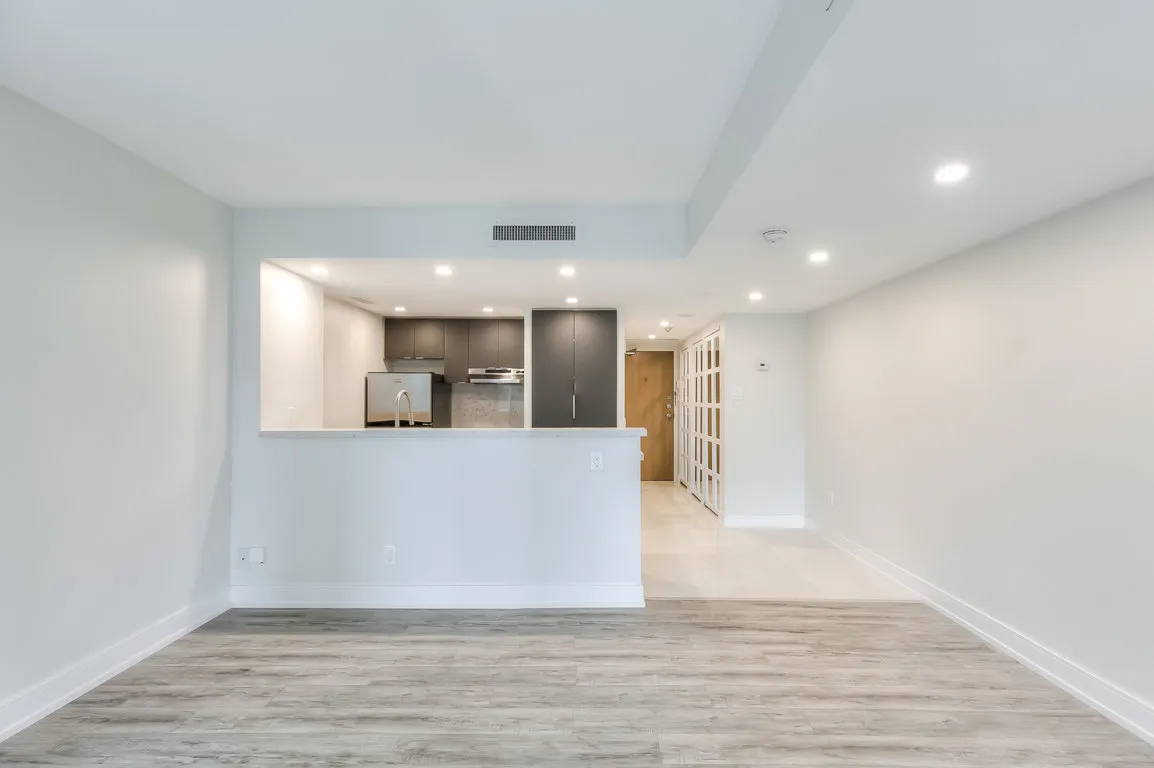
(649, 404)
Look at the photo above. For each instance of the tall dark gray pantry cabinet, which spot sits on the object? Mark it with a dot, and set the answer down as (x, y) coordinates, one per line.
(574, 371)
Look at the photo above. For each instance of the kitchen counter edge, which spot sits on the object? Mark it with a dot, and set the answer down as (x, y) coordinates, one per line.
(401, 434)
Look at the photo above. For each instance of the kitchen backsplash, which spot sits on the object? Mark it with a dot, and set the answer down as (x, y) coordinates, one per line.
(488, 406)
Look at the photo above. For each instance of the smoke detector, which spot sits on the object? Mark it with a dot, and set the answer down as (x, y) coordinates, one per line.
(774, 235)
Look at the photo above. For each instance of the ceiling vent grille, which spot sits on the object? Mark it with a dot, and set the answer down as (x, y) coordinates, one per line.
(534, 233)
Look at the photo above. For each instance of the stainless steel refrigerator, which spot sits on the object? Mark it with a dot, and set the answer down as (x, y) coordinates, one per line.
(412, 399)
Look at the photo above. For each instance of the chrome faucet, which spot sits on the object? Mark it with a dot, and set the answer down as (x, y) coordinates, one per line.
(397, 408)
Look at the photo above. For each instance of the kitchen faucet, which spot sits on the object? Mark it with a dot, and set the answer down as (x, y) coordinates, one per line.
(397, 408)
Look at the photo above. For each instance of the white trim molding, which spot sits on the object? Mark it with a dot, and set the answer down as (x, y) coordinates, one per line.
(439, 596)
(765, 522)
(43, 698)
(1123, 707)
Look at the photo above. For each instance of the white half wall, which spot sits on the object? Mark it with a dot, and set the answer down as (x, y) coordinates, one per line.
(481, 518)
(985, 426)
(114, 467)
(291, 350)
(354, 344)
(763, 420)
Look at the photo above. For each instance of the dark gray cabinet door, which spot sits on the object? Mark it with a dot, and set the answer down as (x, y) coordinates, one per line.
(511, 343)
(483, 343)
(595, 368)
(429, 339)
(456, 351)
(552, 369)
(399, 338)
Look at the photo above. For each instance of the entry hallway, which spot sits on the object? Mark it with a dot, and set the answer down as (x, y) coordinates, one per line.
(687, 553)
(690, 683)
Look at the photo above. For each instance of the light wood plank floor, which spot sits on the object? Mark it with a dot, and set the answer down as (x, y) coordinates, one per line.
(685, 683)
(687, 553)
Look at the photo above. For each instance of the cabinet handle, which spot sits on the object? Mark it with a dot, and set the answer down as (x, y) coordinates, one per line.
(574, 407)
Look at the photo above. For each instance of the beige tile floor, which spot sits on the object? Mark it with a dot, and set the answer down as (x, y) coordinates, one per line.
(687, 553)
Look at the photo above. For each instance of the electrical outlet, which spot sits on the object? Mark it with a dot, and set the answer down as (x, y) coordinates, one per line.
(252, 555)
(596, 461)
(390, 554)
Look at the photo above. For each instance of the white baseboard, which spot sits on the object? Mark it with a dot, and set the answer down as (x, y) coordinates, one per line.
(1119, 705)
(439, 596)
(764, 521)
(43, 698)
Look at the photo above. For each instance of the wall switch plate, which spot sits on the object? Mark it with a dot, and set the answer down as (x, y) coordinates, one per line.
(596, 461)
(737, 393)
(389, 554)
(762, 365)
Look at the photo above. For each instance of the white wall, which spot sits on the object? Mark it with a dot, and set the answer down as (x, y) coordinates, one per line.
(354, 344)
(291, 350)
(763, 420)
(987, 425)
(478, 518)
(114, 469)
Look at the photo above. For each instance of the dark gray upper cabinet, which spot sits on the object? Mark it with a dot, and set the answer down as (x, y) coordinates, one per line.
(414, 338)
(595, 368)
(400, 338)
(456, 351)
(574, 368)
(552, 370)
(484, 343)
(429, 339)
(511, 343)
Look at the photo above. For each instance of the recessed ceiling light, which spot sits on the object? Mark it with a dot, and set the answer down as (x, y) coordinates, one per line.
(756, 296)
(951, 173)
(571, 300)
(486, 309)
(664, 323)
(398, 309)
(444, 270)
(568, 271)
(652, 336)
(818, 257)
(318, 270)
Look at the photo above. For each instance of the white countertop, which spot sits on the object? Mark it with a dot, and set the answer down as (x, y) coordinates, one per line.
(392, 433)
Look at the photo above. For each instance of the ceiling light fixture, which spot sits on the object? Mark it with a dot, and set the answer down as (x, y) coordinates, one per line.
(568, 271)
(664, 323)
(398, 309)
(486, 309)
(818, 257)
(652, 336)
(444, 270)
(571, 300)
(951, 173)
(318, 270)
(756, 296)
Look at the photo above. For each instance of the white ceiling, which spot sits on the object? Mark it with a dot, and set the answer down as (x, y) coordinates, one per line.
(541, 102)
(398, 102)
(640, 289)
(1051, 102)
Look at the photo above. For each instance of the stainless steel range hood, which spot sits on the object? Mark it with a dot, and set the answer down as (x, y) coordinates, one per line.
(496, 375)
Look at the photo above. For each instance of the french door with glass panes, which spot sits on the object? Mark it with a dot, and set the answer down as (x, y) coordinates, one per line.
(684, 416)
(700, 436)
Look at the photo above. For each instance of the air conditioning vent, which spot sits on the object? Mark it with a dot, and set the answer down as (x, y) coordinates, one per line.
(534, 233)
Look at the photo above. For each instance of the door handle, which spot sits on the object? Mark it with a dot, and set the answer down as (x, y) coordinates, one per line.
(574, 407)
